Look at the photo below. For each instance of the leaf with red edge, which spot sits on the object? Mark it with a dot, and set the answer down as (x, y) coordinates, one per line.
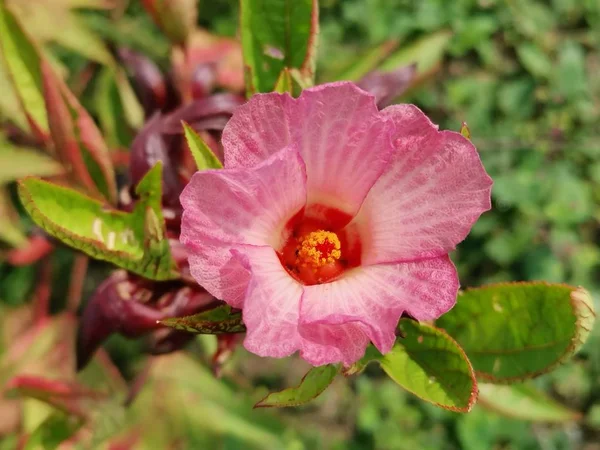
(515, 331)
(77, 140)
(22, 61)
(428, 363)
(278, 34)
(69, 397)
(51, 107)
(312, 385)
(214, 321)
(135, 241)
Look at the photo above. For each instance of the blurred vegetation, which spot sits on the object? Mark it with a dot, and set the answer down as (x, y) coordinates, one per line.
(524, 75)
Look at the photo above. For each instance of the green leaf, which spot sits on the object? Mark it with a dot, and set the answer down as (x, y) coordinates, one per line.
(51, 107)
(10, 105)
(368, 61)
(134, 113)
(284, 82)
(426, 53)
(134, 241)
(524, 402)
(517, 331)
(312, 385)
(203, 155)
(111, 114)
(535, 60)
(10, 232)
(431, 365)
(18, 162)
(277, 34)
(55, 22)
(214, 321)
(77, 140)
(23, 64)
(53, 431)
(464, 131)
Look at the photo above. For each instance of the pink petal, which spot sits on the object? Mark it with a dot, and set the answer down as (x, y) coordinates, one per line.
(343, 139)
(428, 199)
(372, 299)
(223, 208)
(258, 129)
(345, 143)
(272, 303)
(331, 344)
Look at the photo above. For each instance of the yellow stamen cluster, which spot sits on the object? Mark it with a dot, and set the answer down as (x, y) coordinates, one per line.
(319, 248)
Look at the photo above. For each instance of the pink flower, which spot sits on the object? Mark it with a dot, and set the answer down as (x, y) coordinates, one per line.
(331, 219)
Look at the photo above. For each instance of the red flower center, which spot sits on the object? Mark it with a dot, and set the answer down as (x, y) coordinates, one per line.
(316, 254)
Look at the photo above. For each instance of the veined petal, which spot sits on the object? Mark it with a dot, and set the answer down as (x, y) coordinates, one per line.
(345, 143)
(426, 202)
(334, 343)
(272, 304)
(343, 139)
(373, 298)
(223, 208)
(259, 128)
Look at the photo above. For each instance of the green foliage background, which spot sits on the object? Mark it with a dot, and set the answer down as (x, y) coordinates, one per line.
(524, 75)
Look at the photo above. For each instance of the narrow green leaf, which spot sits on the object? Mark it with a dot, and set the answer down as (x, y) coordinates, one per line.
(10, 105)
(134, 113)
(284, 82)
(312, 385)
(18, 162)
(203, 155)
(10, 232)
(516, 331)
(430, 364)
(77, 140)
(22, 61)
(134, 241)
(426, 53)
(278, 34)
(524, 402)
(111, 114)
(368, 61)
(214, 321)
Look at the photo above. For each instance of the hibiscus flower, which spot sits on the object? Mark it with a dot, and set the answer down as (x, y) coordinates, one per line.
(331, 219)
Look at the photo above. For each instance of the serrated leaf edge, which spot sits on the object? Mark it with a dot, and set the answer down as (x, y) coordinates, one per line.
(578, 303)
(474, 391)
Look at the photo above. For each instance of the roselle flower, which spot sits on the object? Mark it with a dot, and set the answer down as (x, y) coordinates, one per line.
(331, 219)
